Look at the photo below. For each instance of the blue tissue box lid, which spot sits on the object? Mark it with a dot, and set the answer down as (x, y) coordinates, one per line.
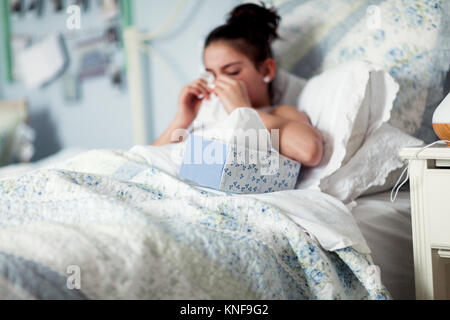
(199, 170)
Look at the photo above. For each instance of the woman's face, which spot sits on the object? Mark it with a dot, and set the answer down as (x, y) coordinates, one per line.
(220, 58)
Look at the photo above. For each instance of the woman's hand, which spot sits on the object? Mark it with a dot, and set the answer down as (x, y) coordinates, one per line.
(232, 93)
(190, 100)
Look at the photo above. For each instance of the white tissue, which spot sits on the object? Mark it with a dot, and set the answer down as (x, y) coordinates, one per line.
(209, 78)
(211, 112)
(214, 123)
(244, 128)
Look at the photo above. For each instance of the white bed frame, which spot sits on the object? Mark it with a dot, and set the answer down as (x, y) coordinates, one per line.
(133, 41)
(137, 43)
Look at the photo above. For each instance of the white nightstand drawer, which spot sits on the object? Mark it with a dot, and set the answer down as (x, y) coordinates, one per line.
(437, 189)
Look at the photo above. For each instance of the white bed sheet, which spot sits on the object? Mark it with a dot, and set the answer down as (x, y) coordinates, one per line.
(387, 229)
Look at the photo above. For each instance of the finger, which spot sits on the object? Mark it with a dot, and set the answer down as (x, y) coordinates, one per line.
(219, 91)
(222, 84)
(220, 88)
(226, 79)
(202, 81)
(243, 87)
(205, 89)
(201, 91)
(194, 91)
(232, 83)
(204, 84)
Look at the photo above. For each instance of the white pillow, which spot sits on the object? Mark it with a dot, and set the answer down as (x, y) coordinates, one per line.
(371, 165)
(360, 125)
(346, 104)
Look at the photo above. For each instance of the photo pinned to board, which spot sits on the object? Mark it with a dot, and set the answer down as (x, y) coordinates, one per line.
(43, 61)
(73, 56)
(94, 54)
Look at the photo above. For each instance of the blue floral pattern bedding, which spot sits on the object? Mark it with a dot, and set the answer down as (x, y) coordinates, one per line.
(321, 34)
(108, 225)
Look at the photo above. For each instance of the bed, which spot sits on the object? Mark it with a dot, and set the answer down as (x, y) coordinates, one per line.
(386, 227)
(135, 248)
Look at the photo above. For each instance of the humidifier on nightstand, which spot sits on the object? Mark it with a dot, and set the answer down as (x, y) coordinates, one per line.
(441, 120)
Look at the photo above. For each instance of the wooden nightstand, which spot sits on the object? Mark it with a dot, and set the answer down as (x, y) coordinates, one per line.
(430, 204)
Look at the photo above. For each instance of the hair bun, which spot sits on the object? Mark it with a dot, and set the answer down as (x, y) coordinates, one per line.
(263, 21)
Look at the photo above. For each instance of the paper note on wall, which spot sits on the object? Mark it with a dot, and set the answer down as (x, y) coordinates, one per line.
(43, 61)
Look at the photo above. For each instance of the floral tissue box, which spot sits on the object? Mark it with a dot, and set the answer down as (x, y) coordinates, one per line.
(236, 169)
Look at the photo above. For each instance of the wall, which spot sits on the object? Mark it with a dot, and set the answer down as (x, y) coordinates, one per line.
(102, 118)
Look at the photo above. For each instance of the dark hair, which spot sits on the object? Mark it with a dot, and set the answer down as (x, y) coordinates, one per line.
(251, 29)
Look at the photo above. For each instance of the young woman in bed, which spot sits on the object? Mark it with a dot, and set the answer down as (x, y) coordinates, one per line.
(239, 55)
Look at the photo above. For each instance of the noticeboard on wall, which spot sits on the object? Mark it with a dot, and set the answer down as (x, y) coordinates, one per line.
(86, 43)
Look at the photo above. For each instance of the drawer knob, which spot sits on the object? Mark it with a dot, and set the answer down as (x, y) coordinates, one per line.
(444, 254)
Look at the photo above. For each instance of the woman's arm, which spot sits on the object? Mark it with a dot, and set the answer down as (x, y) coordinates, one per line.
(173, 134)
(299, 140)
(189, 102)
(291, 113)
